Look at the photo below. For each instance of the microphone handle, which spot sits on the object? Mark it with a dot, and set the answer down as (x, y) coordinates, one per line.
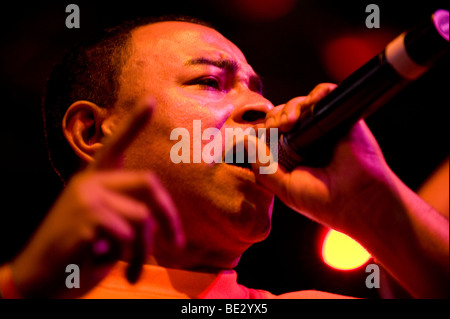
(403, 60)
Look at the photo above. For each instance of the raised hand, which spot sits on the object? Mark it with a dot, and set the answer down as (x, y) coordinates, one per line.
(104, 214)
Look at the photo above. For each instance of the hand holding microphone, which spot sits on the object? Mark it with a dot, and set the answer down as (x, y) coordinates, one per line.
(404, 60)
(329, 119)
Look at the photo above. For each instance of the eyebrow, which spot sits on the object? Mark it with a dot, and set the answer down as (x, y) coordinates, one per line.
(226, 64)
(255, 81)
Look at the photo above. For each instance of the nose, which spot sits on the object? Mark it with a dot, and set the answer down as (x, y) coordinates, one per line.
(252, 109)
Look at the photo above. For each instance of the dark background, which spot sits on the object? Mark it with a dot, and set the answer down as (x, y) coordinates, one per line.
(293, 44)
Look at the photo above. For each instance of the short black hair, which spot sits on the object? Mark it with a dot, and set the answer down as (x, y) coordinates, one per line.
(90, 71)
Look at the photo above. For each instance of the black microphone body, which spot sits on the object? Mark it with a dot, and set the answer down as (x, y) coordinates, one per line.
(403, 60)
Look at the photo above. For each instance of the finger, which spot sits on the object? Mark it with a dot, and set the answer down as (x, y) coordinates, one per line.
(165, 213)
(319, 92)
(128, 208)
(117, 217)
(291, 113)
(145, 187)
(139, 249)
(109, 156)
(271, 116)
(126, 232)
(166, 219)
(138, 217)
(277, 182)
(286, 116)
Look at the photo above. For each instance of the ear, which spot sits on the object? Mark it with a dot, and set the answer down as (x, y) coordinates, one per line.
(83, 127)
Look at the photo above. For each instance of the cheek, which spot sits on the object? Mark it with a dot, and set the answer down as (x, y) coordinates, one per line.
(151, 147)
(186, 106)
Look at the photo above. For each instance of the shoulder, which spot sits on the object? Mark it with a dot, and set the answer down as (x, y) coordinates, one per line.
(311, 294)
(303, 294)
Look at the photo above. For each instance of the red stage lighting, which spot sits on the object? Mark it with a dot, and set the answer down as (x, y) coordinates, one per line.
(344, 54)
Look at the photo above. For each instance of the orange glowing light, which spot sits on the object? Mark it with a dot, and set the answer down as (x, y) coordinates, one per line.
(342, 252)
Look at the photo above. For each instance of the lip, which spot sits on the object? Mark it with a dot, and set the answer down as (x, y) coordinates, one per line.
(247, 177)
(232, 149)
(241, 170)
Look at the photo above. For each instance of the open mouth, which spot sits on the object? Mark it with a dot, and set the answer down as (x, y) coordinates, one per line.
(239, 157)
(244, 165)
(246, 150)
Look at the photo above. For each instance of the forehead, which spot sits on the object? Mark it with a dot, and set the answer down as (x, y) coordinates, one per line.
(183, 40)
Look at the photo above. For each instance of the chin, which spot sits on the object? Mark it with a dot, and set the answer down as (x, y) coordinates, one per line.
(224, 202)
(248, 205)
(253, 221)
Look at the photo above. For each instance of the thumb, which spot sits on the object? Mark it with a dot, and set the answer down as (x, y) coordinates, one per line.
(300, 189)
(273, 177)
(277, 182)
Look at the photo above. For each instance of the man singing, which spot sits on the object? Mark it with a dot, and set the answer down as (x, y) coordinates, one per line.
(140, 226)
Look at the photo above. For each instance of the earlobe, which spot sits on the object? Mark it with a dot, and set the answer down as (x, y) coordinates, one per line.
(82, 127)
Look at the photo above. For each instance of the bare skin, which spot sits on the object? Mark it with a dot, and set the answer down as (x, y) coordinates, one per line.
(134, 199)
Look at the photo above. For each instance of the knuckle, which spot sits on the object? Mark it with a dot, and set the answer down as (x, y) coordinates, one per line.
(297, 100)
(276, 110)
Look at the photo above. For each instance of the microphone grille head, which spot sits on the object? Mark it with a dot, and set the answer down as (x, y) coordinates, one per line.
(440, 19)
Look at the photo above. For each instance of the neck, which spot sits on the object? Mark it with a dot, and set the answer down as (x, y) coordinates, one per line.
(196, 259)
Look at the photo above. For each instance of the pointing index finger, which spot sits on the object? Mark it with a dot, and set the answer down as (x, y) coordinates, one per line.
(109, 156)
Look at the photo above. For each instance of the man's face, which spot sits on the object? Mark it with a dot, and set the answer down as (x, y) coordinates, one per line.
(194, 73)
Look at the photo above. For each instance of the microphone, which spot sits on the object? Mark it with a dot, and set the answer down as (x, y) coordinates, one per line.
(403, 60)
